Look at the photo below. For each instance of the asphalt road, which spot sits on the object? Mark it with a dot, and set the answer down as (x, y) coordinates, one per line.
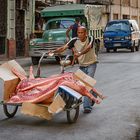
(116, 118)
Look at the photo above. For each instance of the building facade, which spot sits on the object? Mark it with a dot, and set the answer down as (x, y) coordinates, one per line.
(125, 9)
(16, 26)
(18, 20)
(118, 9)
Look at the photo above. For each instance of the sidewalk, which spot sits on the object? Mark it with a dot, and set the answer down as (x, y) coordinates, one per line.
(26, 61)
(23, 61)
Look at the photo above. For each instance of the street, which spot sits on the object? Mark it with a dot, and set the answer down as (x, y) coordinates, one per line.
(116, 118)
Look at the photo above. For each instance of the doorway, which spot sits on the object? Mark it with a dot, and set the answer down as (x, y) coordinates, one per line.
(19, 30)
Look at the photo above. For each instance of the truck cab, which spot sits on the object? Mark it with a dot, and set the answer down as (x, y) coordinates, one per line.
(55, 29)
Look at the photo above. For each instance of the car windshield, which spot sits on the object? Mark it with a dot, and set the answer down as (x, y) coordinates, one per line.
(59, 24)
(117, 26)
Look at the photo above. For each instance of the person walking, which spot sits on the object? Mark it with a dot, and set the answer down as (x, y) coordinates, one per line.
(74, 28)
(84, 52)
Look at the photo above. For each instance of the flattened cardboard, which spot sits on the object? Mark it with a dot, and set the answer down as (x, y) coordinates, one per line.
(57, 105)
(43, 111)
(37, 110)
(87, 80)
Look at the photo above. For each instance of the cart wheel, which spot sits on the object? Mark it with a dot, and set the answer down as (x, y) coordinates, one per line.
(73, 113)
(10, 110)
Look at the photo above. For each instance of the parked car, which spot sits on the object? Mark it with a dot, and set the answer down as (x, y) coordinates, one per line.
(122, 34)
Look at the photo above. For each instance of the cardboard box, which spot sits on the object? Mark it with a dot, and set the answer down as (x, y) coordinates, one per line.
(43, 111)
(88, 81)
(8, 80)
(57, 105)
(37, 110)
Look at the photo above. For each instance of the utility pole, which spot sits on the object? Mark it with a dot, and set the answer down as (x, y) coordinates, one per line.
(120, 9)
(110, 2)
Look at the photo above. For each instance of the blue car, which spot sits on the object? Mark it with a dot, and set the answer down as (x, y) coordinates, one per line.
(121, 34)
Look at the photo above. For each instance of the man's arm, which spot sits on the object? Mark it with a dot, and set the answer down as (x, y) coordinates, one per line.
(90, 45)
(67, 33)
(61, 49)
(69, 45)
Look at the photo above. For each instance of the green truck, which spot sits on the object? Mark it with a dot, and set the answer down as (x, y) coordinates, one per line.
(57, 20)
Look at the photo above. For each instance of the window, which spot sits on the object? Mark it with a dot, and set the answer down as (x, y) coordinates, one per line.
(117, 26)
(115, 16)
(59, 24)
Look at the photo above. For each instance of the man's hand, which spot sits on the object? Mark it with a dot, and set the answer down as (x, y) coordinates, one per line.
(77, 54)
(51, 52)
(67, 39)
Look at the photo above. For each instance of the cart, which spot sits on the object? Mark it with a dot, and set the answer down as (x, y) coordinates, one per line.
(72, 98)
(72, 106)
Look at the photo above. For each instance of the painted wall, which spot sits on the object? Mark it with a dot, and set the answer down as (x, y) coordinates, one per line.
(29, 24)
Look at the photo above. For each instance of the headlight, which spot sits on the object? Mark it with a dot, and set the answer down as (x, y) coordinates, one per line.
(107, 39)
(50, 38)
(32, 42)
(127, 37)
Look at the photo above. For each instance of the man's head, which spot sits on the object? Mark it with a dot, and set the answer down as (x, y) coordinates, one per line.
(77, 19)
(82, 33)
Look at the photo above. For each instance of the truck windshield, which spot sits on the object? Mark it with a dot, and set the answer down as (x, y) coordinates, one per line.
(117, 26)
(59, 24)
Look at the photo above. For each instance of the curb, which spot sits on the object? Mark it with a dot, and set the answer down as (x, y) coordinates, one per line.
(26, 61)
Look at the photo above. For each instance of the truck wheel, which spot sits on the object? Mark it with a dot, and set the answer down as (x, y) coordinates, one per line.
(137, 47)
(132, 49)
(35, 60)
(58, 58)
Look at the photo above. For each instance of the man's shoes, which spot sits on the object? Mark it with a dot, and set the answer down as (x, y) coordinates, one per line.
(87, 110)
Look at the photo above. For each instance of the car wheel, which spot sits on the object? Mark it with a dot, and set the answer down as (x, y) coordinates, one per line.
(35, 60)
(115, 49)
(57, 58)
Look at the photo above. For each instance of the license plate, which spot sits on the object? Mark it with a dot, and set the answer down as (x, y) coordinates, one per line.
(117, 44)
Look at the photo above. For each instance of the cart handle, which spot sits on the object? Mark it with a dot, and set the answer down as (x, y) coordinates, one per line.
(40, 60)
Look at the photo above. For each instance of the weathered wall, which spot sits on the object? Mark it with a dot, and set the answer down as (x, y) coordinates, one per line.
(12, 26)
(3, 26)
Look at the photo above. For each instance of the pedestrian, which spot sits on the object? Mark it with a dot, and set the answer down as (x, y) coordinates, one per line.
(84, 52)
(74, 28)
